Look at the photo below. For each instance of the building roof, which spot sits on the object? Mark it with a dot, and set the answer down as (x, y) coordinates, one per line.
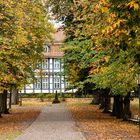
(55, 48)
(59, 36)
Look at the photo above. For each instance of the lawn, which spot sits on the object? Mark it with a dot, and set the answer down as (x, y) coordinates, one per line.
(89, 119)
(96, 125)
(20, 118)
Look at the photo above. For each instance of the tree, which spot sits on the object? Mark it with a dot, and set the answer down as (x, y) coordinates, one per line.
(113, 28)
(23, 32)
(119, 42)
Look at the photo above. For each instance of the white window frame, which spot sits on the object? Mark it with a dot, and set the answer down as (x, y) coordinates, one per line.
(46, 48)
(38, 84)
(39, 65)
(45, 83)
(44, 63)
(66, 83)
(57, 63)
(56, 83)
(28, 86)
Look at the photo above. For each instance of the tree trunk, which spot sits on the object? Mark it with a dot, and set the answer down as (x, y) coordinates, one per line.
(127, 112)
(85, 93)
(0, 104)
(10, 96)
(4, 102)
(102, 101)
(96, 98)
(14, 97)
(107, 102)
(114, 110)
(119, 104)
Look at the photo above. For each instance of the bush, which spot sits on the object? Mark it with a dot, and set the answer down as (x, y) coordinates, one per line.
(41, 96)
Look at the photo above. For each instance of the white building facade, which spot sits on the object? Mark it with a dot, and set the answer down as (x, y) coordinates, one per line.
(50, 77)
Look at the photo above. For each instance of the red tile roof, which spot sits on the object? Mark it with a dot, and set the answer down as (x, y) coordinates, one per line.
(59, 36)
(55, 48)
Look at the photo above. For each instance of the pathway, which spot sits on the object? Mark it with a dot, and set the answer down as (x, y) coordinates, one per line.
(54, 123)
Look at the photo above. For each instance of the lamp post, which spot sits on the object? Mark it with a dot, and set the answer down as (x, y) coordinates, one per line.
(56, 98)
(138, 82)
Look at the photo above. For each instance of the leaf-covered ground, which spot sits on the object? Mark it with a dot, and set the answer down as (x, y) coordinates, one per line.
(96, 125)
(89, 119)
(12, 125)
(20, 117)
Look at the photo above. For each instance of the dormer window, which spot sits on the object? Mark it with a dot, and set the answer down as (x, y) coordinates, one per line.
(46, 48)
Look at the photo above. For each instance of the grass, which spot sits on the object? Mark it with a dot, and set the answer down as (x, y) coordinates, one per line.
(35, 102)
(89, 119)
(10, 135)
(20, 118)
(96, 125)
(78, 101)
(134, 106)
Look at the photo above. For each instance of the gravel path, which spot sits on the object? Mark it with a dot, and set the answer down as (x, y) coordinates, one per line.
(54, 123)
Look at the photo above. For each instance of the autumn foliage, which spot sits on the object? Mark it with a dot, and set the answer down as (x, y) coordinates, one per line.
(24, 30)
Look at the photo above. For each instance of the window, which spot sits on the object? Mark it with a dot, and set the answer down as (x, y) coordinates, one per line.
(66, 84)
(39, 65)
(56, 63)
(44, 63)
(45, 83)
(56, 82)
(38, 84)
(28, 86)
(46, 48)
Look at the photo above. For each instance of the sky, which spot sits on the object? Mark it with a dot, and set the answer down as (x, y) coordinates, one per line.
(56, 23)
